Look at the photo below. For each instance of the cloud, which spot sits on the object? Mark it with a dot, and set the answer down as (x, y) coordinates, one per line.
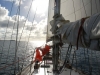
(37, 29)
(3, 11)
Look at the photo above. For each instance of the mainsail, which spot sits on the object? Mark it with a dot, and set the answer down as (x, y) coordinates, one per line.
(76, 10)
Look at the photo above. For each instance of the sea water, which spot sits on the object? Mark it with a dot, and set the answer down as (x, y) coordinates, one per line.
(23, 58)
(85, 60)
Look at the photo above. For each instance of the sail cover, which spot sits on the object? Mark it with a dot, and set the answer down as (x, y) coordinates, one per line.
(74, 10)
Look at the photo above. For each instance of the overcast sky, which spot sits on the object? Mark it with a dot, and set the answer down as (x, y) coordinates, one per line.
(35, 22)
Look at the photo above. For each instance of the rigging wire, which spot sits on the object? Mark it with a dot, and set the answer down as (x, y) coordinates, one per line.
(72, 60)
(68, 52)
(10, 40)
(4, 67)
(30, 33)
(23, 29)
(75, 20)
(16, 45)
(10, 43)
(25, 22)
(6, 31)
(24, 25)
(31, 62)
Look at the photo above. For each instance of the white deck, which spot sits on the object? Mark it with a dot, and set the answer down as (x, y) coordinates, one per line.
(43, 71)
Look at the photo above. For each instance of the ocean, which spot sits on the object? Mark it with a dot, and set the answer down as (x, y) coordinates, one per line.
(88, 61)
(7, 55)
(84, 60)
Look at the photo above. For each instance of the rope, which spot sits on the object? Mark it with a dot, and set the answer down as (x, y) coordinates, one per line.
(66, 59)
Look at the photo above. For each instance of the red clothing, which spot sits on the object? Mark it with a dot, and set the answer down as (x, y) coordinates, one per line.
(45, 50)
(38, 56)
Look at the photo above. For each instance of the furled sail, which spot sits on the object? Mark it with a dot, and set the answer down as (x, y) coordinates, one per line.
(74, 11)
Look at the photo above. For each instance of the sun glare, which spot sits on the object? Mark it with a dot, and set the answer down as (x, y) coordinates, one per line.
(41, 6)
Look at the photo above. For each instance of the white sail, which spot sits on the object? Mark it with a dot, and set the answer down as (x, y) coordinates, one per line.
(74, 10)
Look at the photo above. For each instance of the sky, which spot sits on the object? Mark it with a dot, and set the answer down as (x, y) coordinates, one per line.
(31, 21)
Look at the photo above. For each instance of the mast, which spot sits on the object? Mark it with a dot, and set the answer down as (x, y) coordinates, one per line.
(57, 7)
(56, 47)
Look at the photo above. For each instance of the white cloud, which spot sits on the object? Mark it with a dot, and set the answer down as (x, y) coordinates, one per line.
(3, 11)
(37, 29)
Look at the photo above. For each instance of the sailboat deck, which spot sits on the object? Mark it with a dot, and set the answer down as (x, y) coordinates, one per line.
(47, 71)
